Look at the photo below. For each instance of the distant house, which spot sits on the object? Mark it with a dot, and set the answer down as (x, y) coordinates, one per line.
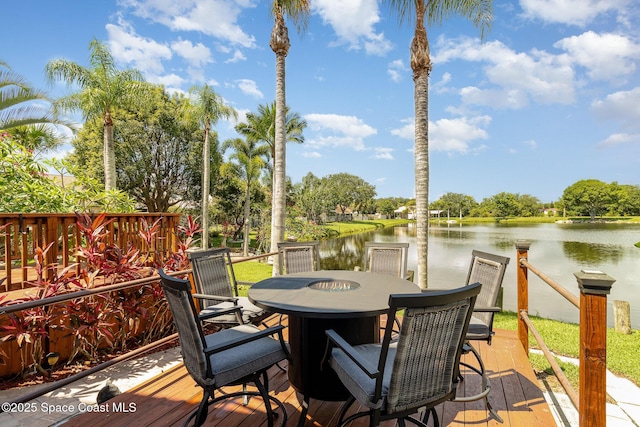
(550, 211)
(404, 213)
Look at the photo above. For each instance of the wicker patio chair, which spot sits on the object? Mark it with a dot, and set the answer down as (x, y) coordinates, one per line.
(396, 378)
(217, 288)
(238, 355)
(387, 258)
(488, 270)
(298, 257)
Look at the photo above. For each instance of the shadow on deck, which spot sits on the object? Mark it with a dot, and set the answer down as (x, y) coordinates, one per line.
(168, 399)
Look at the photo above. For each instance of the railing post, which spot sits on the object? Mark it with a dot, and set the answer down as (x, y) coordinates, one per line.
(522, 249)
(594, 287)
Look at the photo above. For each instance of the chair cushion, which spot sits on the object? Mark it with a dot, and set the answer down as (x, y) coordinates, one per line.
(355, 380)
(251, 313)
(478, 330)
(235, 363)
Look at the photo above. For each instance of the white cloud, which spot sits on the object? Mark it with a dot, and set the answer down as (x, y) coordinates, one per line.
(168, 80)
(383, 153)
(236, 57)
(312, 154)
(623, 106)
(456, 135)
(570, 12)
(142, 53)
(249, 87)
(606, 56)
(449, 135)
(353, 22)
(407, 131)
(516, 78)
(196, 55)
(620, 138)
(217, 18)
(338, 131)
(396, 70)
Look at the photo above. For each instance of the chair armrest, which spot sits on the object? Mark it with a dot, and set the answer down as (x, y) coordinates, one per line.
(222, 312)
(338, 341)
(487, 309)
(234, 300)
(249, 338)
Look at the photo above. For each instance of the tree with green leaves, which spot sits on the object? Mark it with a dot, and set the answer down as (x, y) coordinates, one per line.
(207, 108)
(311, 198)
(480, 12)
(297, 11)
(344, 191)
(250, 160)
(102, 88)
(456, 204)
(588, 196)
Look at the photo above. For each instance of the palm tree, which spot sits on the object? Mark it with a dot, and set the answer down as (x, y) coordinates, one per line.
(481, 13)
(23, 112)
(250, 156)
(207, 108)
(298, 11)
(102, 89)
(261, 128)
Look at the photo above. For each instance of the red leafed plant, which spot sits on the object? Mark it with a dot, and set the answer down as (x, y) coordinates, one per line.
(104, 323)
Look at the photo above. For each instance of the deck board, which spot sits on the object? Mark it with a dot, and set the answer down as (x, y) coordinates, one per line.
(168, 399)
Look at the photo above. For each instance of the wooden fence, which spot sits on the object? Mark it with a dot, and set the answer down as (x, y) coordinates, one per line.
(26, 232)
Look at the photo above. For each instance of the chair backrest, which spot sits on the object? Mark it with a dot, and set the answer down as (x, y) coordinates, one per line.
(426, 365)
(386, 258)
(487, 269)
(298, 257)
(213, 273)
(192, 342)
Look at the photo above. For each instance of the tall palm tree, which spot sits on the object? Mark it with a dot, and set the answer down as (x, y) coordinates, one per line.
(207, 108)
(434, 11)
(250, 157)
(298, 11)
(102, 89)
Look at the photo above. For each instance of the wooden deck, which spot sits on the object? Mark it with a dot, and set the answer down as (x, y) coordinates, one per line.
(168, 399)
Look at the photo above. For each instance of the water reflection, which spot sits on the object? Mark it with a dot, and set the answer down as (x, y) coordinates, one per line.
(559, 250)
(592, 253)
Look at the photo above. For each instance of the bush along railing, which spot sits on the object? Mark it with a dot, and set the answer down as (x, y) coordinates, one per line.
(84, 312)
(22, 234)
(594, 287)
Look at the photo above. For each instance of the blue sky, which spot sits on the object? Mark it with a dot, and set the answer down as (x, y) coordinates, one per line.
(549, 97)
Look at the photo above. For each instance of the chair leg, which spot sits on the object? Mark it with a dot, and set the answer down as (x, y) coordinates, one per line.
(200, 414)
(486, 383)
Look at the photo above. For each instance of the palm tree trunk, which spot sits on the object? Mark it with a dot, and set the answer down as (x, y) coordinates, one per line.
(247, 214)
(280, 45)
(421, 66)
(109, 154)
(206, 165)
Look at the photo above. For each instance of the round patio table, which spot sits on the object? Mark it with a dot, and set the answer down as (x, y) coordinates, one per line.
(350, 302)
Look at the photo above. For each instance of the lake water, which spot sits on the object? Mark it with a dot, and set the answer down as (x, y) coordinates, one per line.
(558, 250)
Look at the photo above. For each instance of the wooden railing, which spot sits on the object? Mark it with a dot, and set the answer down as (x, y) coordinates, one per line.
(594, 287)
(26, 232)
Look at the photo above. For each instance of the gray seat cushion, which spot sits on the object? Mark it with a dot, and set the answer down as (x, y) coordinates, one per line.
(230, 365)
(251, 313)
(355, 380)
(478, 330)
